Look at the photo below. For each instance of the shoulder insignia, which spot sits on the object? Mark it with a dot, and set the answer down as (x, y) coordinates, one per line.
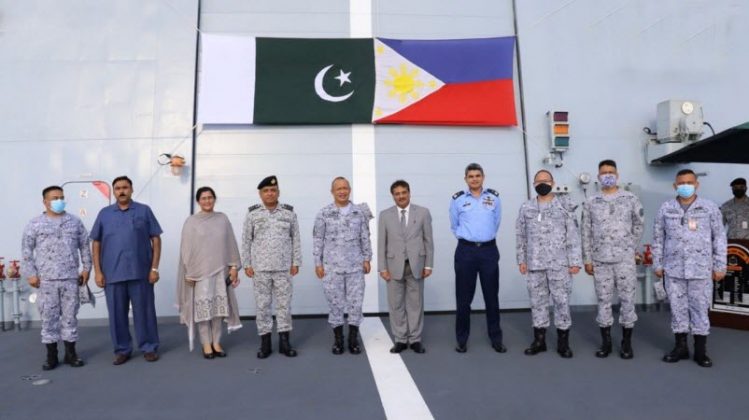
(253, 208)
(458, 194)
(491, 191)
(288, 207)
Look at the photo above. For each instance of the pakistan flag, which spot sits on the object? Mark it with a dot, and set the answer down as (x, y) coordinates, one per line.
(313, 81)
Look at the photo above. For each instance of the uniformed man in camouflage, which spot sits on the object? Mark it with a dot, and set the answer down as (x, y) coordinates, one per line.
(736, 211)
(612, 227)
(54, 245)
(548, 252)
(342, 251)
(272, 254)
(689, 249)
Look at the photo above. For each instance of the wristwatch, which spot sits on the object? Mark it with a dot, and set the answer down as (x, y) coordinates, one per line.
(155, 270)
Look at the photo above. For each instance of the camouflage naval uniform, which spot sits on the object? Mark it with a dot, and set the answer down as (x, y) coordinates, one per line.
(341, 245)
(548, 242)
(271, 246)
(736, 218)
(612, 228)
(689, 246)
(51, 248)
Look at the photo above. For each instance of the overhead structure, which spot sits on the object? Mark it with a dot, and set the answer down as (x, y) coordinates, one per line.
(729, 146)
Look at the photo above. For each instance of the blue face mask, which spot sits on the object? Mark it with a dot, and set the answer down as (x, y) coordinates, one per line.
(685, 190)
(607, 180)
(57, 206)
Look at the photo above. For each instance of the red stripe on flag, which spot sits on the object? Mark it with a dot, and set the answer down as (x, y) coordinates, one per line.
(477, 103)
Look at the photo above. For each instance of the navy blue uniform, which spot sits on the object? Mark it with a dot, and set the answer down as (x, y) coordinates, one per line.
(475, 221)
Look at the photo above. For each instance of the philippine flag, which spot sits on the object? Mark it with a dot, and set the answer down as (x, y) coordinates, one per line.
(444, 82)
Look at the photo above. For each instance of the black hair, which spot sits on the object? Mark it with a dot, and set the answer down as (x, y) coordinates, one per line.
(122, 178)
(686, 172)
(50, 188)
(400, 183)
(201, 190)
(606, 162)
(474, 167)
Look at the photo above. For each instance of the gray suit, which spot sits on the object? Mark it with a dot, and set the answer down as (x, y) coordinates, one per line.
(405, 254)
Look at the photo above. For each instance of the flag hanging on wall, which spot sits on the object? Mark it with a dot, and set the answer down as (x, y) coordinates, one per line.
(245, 80)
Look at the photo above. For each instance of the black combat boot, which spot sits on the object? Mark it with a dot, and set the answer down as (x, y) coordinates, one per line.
(265, 346)
(283, 345)
(680, 351)
(539, 342)
(700, 351)
(338, 341)
(353, 339)
(52, 361)
(605, 348)
(563, 343)
(626, 351)
(71, 357)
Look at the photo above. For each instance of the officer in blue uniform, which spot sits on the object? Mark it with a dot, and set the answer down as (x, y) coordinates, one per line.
(475, 214)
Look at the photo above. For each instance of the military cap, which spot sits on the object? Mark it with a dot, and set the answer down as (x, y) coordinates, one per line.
(269, 181)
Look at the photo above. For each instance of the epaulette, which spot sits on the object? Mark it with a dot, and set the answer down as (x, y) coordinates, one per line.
(288, 207)
(491, 191)
(458, 194)
(253, 208)
(364, 208)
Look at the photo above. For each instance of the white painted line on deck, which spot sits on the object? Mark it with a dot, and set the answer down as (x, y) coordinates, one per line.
(399, 394)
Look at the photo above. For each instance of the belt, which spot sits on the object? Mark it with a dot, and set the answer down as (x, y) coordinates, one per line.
(477, 244)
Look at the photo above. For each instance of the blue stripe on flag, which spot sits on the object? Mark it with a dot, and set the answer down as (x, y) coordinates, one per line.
(460, 60)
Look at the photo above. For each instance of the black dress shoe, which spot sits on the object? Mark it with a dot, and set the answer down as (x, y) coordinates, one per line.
(398, 347)
(208, 355)
(499, 348)
(418, 348)
(219, 353)
(461, 348)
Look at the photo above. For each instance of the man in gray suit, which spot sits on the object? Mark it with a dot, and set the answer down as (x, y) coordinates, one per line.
(406, 254)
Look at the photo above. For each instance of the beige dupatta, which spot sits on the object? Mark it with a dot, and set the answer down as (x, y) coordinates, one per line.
(208, 247)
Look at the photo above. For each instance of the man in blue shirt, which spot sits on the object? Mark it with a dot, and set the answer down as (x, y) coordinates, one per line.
(475, 214)
(126, 252)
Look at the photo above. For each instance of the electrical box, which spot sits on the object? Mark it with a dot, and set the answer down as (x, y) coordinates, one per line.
(679, 121)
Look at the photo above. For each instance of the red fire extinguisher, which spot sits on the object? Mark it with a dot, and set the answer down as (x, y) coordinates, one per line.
(648, 256)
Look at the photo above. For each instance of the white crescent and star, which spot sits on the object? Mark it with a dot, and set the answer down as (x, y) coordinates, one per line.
(342, 77)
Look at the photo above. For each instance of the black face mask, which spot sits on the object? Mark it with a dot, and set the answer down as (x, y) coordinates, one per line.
(543, 189)
(739, 192)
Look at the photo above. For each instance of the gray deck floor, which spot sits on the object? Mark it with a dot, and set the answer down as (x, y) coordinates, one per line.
(480, 384)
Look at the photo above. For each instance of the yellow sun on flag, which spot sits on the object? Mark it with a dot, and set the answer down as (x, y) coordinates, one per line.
(404, 83)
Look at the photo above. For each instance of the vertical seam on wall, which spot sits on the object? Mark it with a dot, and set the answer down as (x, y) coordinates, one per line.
(363, 150)
(522, 98)
(195, 112)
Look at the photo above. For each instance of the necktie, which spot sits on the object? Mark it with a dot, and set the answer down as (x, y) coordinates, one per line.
(403, 219)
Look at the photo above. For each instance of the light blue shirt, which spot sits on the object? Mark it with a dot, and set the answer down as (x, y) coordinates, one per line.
(475, 219)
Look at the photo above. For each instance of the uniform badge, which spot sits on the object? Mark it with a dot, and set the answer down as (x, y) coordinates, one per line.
(488, 202)
(692, 224)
